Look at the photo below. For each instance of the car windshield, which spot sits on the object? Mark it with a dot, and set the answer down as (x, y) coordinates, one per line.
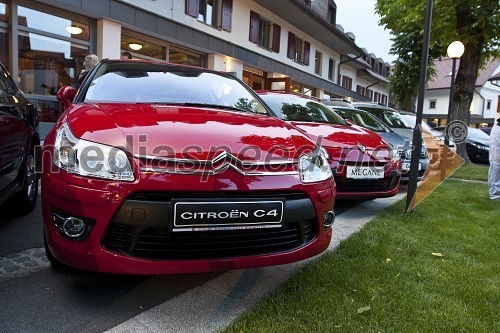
(388, 116)
(125, 82)
(363, 119)
(411, 119)
(296, 108)
(474, 133)
(394, 119)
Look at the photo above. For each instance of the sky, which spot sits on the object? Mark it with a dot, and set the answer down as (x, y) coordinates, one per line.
(359, 17)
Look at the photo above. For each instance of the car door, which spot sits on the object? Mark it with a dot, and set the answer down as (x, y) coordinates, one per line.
(14, 133)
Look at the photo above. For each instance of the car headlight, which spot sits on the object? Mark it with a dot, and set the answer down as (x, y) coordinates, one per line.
(314, 167)
(90, 159)
(479, 146)
(395, 154)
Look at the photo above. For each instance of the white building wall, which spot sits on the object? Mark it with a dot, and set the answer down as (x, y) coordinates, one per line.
(441, 96)
(175, 10)
(490, 92)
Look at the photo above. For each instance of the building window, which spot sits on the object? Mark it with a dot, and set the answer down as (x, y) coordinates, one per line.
(154, 49)
(384, 99)
(488, 104)
(150, 50)
(50, 55)
(369, 93)
(4, 54)
(332, 14)
(317, 63)
(217, 13)
(346, 82)
(207, 12)
(180, 56)
(303, 89)
(331, 69)
(360, 90)
(264, 33)
(376, 97)
(298, 49)
(432, 104)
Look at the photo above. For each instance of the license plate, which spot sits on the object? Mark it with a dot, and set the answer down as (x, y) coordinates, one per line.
(223, 215)
(365, 172)
(406, 166)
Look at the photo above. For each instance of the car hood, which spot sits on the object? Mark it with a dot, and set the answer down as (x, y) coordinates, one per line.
(340, 135)
(187, 132)
(346, 143)
(406, 132)
(395, 139)
(484, 142)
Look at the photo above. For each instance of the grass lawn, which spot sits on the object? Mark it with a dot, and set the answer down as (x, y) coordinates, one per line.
(472, 171)
(434, 270)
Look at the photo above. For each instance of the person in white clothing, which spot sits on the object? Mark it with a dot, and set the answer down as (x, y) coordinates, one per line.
(494, 156)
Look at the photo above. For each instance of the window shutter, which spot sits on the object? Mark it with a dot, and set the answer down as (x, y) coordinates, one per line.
(254, 27)
(291, 45)
(192, 8)
(227, 13)
(276, 38)
(307, 51)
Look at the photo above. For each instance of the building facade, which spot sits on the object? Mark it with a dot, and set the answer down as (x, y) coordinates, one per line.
(292, 45)
(485, 107)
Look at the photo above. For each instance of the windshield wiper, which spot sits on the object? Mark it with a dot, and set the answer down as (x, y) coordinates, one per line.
(217, 106)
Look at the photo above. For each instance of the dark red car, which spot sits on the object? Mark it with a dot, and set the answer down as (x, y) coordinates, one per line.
(18, 139)
(364, 165)
(157, 168)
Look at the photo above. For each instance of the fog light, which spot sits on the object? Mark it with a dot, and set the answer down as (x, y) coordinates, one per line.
(73, 227)
(328, 219)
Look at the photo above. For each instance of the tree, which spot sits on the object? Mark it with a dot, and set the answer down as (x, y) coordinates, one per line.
(477, 26)
(474, 22)
(405, 18)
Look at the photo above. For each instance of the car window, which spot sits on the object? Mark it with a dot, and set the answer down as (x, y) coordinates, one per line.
(7, 87)
(296, 108)
(412, 120)
(394, 120)
(168, 84)
(363, 119)
(475, 133)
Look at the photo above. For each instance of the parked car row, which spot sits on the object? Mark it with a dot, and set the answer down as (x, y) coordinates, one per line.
(159, 168)
(390, 125)
(477, 144)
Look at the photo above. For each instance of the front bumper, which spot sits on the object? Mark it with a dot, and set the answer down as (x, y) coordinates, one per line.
(424, 164)
(131, 224)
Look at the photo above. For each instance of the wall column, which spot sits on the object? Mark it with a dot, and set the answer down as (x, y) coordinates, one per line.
(108, 39)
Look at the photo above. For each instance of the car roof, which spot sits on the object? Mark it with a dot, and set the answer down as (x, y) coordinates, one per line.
(373, 105)
(337, 102)
(281, 92)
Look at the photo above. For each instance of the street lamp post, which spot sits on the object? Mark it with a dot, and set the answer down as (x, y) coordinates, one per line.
(455, 51)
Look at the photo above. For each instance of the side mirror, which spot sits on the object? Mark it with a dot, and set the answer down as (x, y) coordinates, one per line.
(348, 121)
(66, 95)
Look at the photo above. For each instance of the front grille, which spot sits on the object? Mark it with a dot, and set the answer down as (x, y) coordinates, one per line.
(365, 185)
(160, 243)
(407, 174)
(148, 241)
